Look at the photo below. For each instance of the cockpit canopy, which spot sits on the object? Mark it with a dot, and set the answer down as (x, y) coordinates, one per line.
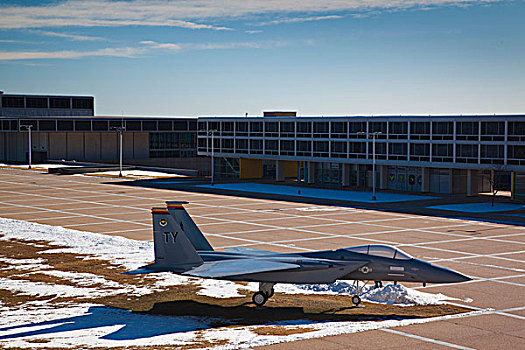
(380, 250)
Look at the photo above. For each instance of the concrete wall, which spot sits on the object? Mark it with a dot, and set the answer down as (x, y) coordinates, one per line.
(2, 145)
(57, 145)
(16, 147)
(127, 145)
(141, 145)
(39, 141)
(75, 146)
(92, 146)
(109, 149)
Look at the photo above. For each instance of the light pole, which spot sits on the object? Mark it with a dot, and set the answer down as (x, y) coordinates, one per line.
(212, 132)
(28, 128)
(373, 159)
(120, 130)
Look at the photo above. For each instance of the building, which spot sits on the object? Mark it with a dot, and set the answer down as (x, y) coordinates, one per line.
(74, 133)
(440, 154)
(14, 105)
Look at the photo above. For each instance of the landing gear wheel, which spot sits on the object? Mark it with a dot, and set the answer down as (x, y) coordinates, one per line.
(259, 298)
(271, 294)
(356, 300)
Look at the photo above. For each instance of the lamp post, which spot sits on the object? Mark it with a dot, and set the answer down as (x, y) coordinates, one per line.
(373, 159)
(28, 128)
(212, 133)
(120, 130)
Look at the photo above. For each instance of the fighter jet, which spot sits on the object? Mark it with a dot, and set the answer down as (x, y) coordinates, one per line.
(181, 248)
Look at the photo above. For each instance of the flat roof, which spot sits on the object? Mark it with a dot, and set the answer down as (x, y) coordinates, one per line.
(38, 95)
(112, 117)
(366, 116)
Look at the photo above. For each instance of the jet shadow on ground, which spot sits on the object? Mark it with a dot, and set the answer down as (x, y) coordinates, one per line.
(184, 316)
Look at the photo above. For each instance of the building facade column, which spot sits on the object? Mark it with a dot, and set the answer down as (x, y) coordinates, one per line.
(310, 169)
(279, 170)
(425, 179)
(345, 181)
(472, 182)
(383, 177)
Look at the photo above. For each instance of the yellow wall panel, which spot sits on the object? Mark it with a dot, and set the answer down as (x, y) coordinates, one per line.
(250, 168)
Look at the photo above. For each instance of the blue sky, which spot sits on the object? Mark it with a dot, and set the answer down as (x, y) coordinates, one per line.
(211, 57)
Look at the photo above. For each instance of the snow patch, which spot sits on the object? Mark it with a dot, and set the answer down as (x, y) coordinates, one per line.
(134, 173)
(86, 325)
(132, 253)
(388, 294)
(24, 264)
(318, 209)
(401, 295)
(26, 287)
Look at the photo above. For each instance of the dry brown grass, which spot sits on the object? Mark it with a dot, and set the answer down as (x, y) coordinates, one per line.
(281, 330)
(182, 300)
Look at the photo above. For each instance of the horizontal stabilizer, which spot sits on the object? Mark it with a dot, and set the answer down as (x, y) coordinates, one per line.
(143, 270)
(236, 267)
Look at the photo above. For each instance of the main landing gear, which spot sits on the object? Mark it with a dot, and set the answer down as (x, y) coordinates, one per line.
(356, 300)
(265, 292)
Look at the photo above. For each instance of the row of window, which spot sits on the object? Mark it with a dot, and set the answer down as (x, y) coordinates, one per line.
(171, 140)
(465, 153)
(172, 145)
(173, 154)
(47, 102)
(99, 125)
(465, 130)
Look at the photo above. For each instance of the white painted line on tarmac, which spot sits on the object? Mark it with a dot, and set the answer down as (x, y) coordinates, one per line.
(428, 340)
(510, 315)
(480, 279)
(494, 256)
(80, 215)
(490, 266)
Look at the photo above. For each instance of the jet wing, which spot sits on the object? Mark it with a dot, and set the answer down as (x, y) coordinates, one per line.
(235, 267)
(249, 251)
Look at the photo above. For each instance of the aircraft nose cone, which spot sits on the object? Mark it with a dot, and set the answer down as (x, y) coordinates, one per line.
(438, 274)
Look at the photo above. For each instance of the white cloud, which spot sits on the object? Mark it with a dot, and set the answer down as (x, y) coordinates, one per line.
(269, 44)
(68, 54)
(99, 13)
(254, 31)
(92, 13)
(68, 36)
(301, 19)
(165, 46)
(133, 52)
(215, 46)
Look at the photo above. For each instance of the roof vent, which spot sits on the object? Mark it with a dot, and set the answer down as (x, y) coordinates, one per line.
(280, 114)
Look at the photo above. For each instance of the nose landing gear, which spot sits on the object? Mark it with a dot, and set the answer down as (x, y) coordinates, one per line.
(356, 299)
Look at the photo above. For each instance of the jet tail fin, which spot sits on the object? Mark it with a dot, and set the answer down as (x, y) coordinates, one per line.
(187, 225)
(173, 250)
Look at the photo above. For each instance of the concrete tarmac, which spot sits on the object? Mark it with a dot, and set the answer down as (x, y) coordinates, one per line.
(492, 253)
